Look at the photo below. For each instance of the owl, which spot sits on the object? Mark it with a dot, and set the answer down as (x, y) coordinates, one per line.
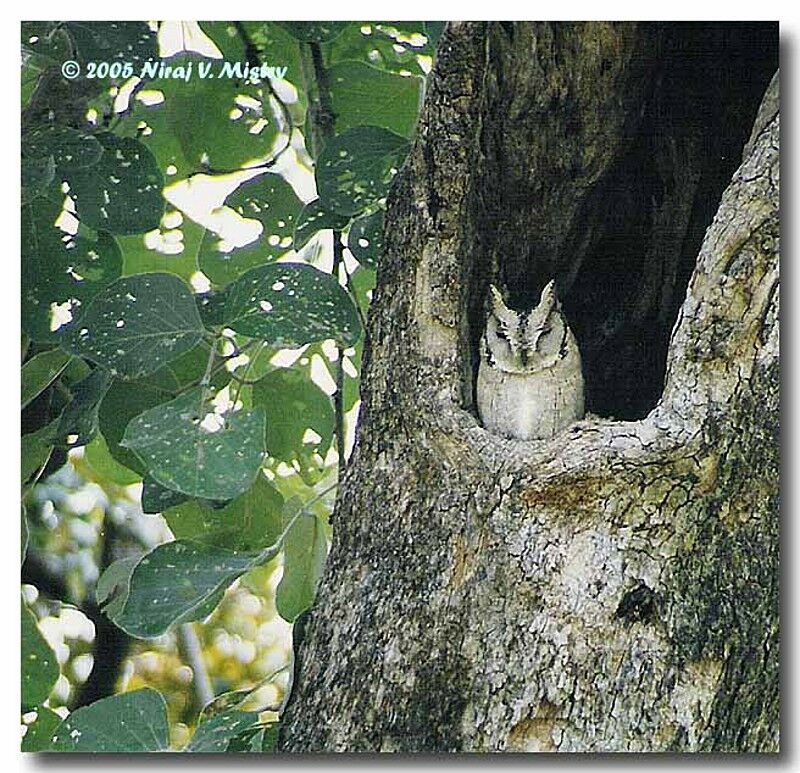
(530, 384)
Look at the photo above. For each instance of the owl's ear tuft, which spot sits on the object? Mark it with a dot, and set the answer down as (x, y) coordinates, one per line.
(549, 298)
(498, 304)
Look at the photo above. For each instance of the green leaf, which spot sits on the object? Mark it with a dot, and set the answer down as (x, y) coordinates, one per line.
(434, 29)
(270, 201)
(392, 46)
(157, 498)
(269, 737)
(105, 465)
(69, 148)
(122, 403)
(131, 722)
(362, 283)
(36, 448)
(80, 415)
(39, 665)
(305, 551)
(40, 371)
(365, 238)
(249, 522)
(216, 128)
(142, 254)
(214, 734)
(291, 304)
(121, 192)
(356, 168)
(42, 46)
(60, 269)
(315, 31)
(316, 217)
(182, 454)
(280, 48)
(366, 96)
(293, 403)
(37, 174)
(138, 324)
(39, 734)
(179, 582)
(113, 586)
(126, 41)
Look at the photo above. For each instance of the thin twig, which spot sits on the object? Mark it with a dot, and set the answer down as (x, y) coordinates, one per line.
(192, 653)
(323, 121)
(253, 57)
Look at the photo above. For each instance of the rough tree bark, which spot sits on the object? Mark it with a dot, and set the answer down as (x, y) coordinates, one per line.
(616, 588)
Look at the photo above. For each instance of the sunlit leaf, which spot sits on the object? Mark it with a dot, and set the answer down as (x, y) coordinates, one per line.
(250, 521)
(36, 448)
(114, 584)
(305, 551)
(367, 96)
(214, 734)
(391, 46)
(131, 722)
(216, 128)
(24, 534)
(138, 324)
(183, 453)
(293, 404)
(105, 465)
(291, 304)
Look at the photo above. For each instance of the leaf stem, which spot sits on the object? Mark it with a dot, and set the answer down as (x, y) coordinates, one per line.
(241, 381)
(269, 552)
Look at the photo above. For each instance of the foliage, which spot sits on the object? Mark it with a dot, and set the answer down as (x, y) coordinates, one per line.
(189, 296)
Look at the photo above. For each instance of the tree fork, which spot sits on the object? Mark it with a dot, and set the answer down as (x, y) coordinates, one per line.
(616, 588)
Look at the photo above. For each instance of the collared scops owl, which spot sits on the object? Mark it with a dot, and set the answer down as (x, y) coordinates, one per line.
(530, 384)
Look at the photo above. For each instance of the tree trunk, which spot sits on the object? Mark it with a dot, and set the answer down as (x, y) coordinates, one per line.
(614, 588)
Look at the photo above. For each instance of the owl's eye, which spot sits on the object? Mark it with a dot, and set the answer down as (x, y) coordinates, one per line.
(501, 335)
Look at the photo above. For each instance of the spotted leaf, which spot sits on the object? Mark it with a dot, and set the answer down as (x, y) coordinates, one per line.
(138, 324)
(291, 304)
(189, 448)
